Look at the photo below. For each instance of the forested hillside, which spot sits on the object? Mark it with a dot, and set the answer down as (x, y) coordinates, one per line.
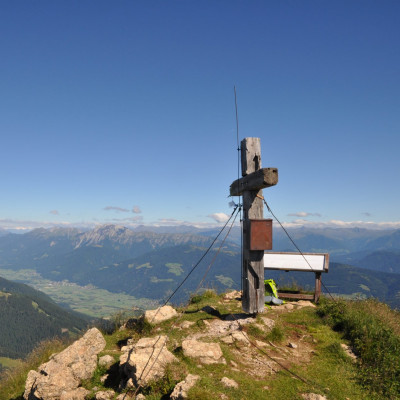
(28, 316)
(156, 274)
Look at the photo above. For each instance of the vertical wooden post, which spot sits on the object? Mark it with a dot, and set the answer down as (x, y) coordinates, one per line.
(253, 261)
(317, 293)
(250, 187)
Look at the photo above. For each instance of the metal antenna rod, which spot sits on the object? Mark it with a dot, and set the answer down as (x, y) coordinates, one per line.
(237, 119)
(238, 172)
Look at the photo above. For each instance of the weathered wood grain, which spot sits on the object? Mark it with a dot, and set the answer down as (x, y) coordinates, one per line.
(251, 155)
(263, 178)
(296, 296)
(253, 208)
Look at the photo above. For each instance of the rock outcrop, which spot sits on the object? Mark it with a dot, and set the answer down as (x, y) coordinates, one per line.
(200, 335)
(313, 396)
(181, 389)
(146, 360)
(61, 376)
(106, 361)
(230, 383)
(105, 395)
(77, 394)
(206, 353)
(160, 314)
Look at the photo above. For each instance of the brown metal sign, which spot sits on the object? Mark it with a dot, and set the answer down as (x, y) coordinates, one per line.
(261, 234)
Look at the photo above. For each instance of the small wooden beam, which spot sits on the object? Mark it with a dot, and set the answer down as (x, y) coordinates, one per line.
(257, 180)
(296, 296)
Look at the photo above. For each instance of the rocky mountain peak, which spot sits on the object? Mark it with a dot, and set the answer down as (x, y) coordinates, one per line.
(114, 233)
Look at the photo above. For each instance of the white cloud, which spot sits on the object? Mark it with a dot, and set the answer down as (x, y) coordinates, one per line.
(54, 212)
(176, 222)
(298, 223)
(136, 210)
(137, 218)
(26, 225)
(114, 208)
(304, 214)
(173, 222)
(219, 217)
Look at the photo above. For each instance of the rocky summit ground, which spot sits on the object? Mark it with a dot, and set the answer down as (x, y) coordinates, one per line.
(206, 350)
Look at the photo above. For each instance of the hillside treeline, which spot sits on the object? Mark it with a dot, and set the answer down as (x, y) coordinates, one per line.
(26, 320)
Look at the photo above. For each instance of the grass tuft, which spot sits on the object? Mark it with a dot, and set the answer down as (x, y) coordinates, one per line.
(374, 341)
(276, 334)
(162, 388)
(12, 382)
(204, 297)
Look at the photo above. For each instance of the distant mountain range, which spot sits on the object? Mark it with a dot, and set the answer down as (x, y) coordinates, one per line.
(370, 249)
(150, 264)
(28, 316)
(337, 241)
(366, 248)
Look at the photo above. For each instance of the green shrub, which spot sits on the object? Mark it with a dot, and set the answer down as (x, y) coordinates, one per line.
(337, 351)
(139, 325)
(373, 340)
(174, 373)
(276, 334)
(205, 296)
(255, 331)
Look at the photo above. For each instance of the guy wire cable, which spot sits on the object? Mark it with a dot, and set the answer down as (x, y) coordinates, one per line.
(219, 249)
(198, 287)
(294, 244)
(238, 176)
(197, 264)
(297, 376)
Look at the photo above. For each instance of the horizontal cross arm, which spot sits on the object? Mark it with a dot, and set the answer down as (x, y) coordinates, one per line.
(263, 178)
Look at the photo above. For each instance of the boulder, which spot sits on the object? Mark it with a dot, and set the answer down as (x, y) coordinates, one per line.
(105, 395)
(66, 370)
(181, 389)
(146, 360)
(160, 314)
(269, 323)
(233, 295)
(207, 353)
(106, 361)
(76, 394)
(305, 303)
(125, 396)
(186, 324)
(313, 396)
(238, 336)
(230, 383)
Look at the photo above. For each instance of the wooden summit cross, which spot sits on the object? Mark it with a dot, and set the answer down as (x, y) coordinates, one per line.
(257, 235)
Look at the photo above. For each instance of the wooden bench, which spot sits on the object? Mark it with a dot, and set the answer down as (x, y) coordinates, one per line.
(317, 263)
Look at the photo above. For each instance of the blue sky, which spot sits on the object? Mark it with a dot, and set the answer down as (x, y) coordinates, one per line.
(123, 111)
